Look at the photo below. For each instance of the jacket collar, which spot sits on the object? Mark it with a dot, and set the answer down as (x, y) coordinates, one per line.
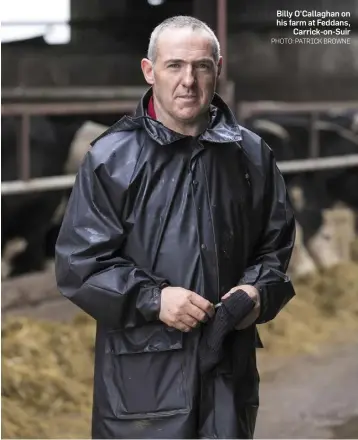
(223, 127)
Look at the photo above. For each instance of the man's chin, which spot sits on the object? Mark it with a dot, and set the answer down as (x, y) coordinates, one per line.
(188, 116)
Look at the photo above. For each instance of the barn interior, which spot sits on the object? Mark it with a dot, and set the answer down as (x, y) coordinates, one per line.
(57, 96)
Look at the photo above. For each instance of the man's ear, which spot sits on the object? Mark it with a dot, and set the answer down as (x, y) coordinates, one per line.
(220, 64)
(147, 69)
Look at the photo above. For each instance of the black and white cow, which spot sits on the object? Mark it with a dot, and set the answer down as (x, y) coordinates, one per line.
(314, 193)
(30, 216)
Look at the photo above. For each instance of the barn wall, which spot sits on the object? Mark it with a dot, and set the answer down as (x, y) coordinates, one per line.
(299, 72)
(110, 54)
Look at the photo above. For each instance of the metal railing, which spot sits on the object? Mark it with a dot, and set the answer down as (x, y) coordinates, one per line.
(98, 102)
(73, 93)
(291, 166)
(247, 110)
(61, 101)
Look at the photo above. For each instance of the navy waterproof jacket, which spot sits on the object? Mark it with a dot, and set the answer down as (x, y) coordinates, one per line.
(149, 208)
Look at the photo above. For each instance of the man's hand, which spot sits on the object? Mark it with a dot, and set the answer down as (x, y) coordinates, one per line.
(183, 309)
(255, 296)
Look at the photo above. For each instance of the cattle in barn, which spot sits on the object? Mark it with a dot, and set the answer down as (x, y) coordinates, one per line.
(30, 216)
(58, 145)
(80, 144)
(314, 194)
(301, 262)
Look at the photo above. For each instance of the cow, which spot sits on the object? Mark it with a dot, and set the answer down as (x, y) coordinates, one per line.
(80, 144)
(314, 194)
(27, 215)
(30, 216)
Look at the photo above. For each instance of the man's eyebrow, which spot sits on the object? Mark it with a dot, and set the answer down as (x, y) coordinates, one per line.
(174, 61)
(179, 60)
(205, 60)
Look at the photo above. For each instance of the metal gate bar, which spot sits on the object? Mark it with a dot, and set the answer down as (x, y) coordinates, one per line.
(26, 110)
(291, 166)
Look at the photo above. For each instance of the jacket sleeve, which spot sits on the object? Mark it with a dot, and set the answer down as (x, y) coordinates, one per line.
(90, 268)
(269, 261)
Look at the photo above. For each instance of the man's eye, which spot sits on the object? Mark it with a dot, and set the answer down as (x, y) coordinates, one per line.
(203, 66)
(174, 66)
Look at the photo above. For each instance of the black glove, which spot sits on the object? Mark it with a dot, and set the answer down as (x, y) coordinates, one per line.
(232, 310)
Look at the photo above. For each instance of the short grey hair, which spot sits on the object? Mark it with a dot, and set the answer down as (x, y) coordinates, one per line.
(181, 22)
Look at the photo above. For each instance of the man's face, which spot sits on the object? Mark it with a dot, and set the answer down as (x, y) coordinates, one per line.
(184, 74)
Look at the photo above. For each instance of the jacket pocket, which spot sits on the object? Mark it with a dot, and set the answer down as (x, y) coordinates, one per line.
(146, 376)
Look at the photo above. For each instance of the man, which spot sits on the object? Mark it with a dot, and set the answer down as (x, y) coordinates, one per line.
(174, 212)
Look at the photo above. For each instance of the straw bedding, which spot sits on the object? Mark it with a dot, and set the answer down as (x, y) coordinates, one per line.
(47, 367)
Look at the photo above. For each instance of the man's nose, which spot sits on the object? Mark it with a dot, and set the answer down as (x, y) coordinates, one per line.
(188, 77)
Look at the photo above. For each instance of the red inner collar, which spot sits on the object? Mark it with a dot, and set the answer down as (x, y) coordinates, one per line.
(151, 111)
